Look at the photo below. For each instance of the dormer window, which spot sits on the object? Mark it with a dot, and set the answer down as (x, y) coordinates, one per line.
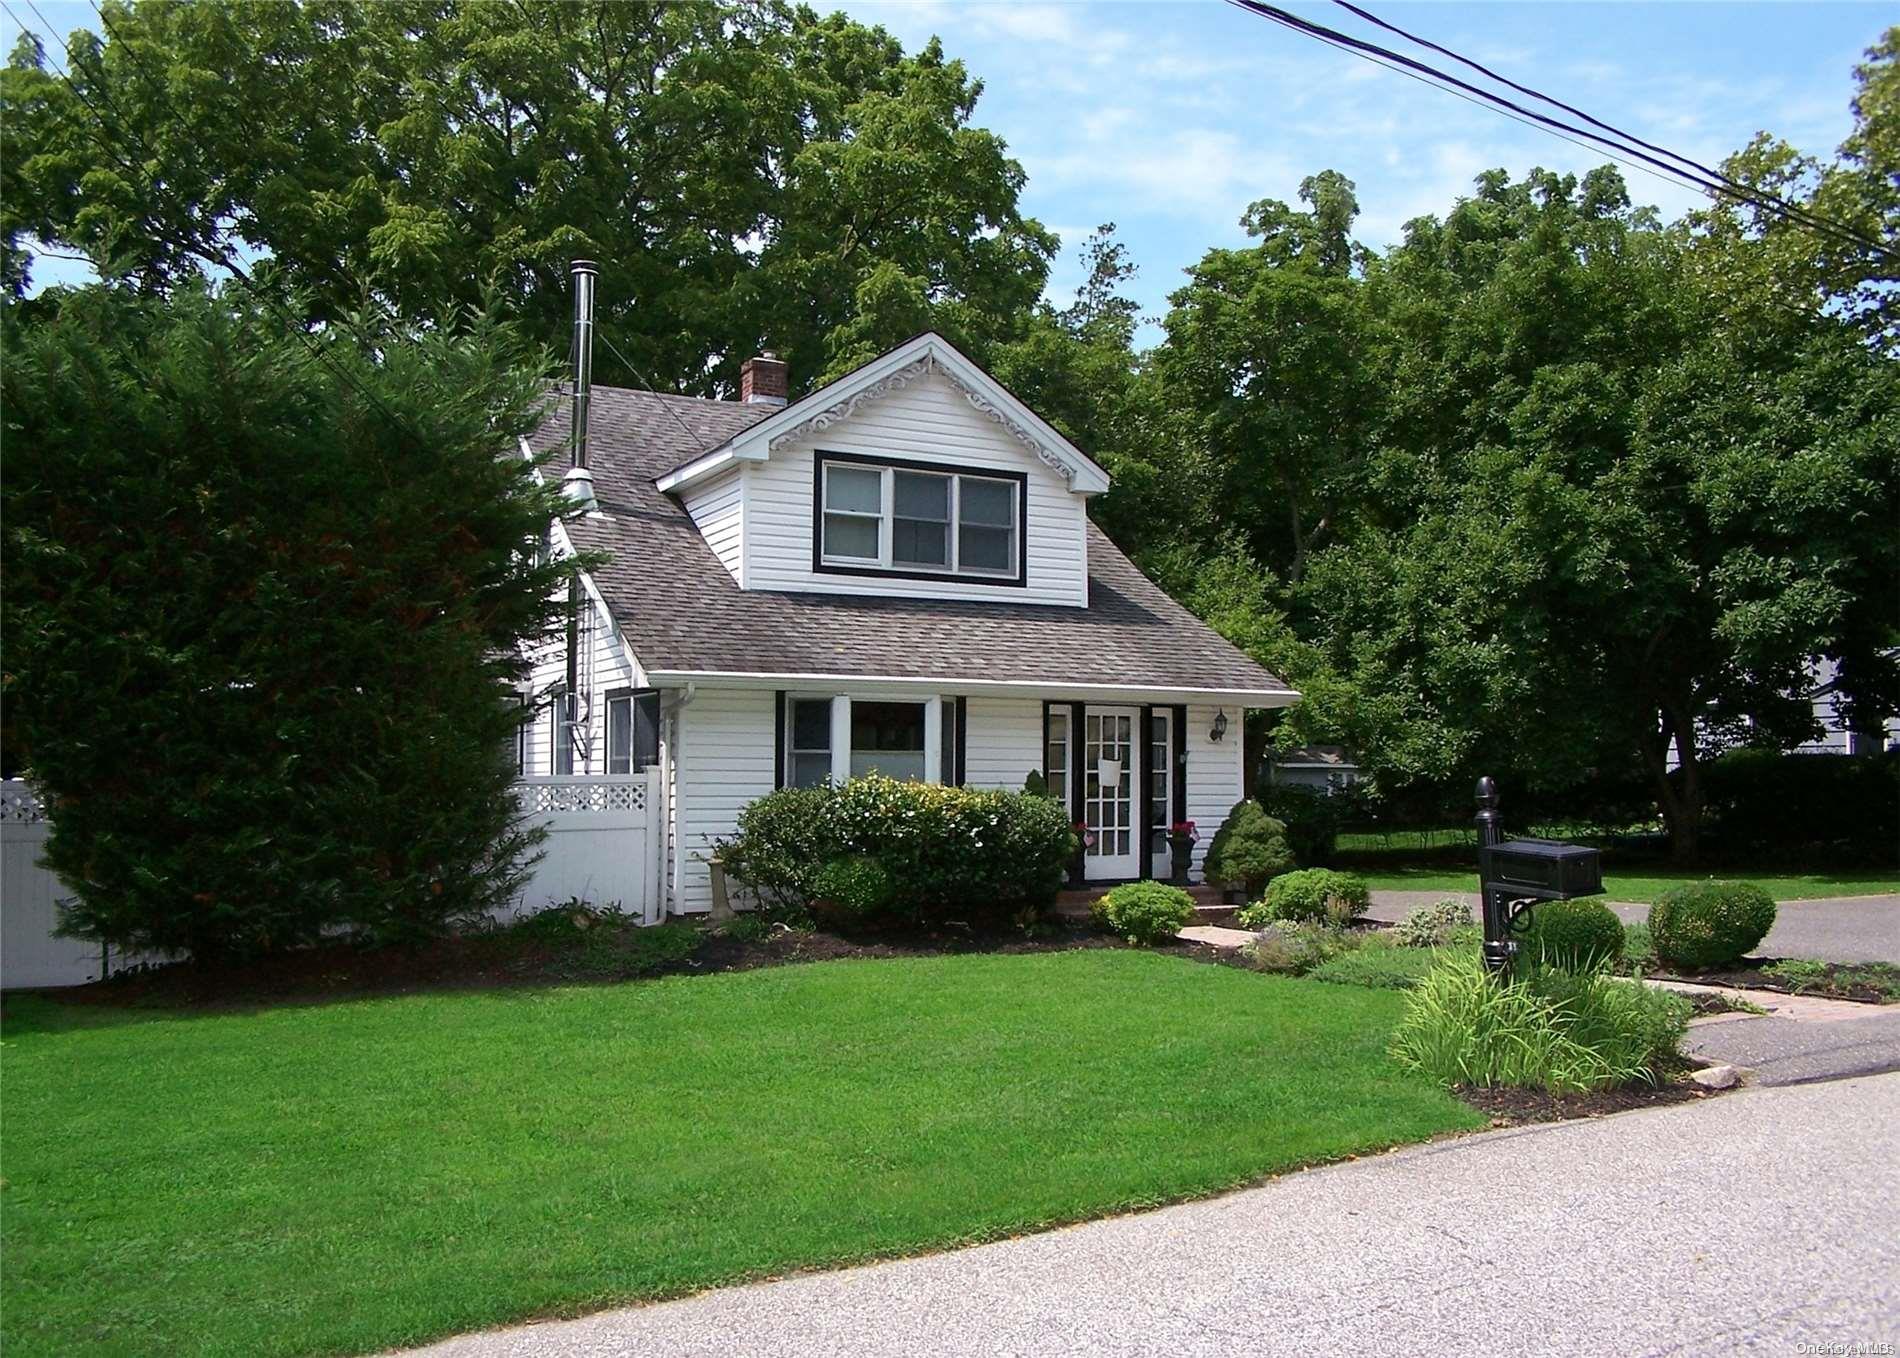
(917, 519)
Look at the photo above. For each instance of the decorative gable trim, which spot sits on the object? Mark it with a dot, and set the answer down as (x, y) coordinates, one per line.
(884, 376)
(840, 411)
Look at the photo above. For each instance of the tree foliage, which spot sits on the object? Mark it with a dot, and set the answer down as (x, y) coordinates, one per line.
(263, 618)
(752, 176)
(1552, 490)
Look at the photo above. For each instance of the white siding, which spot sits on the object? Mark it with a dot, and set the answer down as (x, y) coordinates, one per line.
(1002, 741)
(718, 510)
(603, 658)
(1214, 778)
(725, 761)
(928, 421)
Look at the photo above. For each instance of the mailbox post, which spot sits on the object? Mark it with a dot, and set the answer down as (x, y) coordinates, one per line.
(1515, 874)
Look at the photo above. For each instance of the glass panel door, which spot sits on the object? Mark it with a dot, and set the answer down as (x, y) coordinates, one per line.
(1109, 770)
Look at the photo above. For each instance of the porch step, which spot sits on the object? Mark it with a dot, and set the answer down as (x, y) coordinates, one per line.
(1208, 905)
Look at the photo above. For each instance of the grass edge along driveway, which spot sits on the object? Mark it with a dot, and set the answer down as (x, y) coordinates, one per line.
(1641, 888)
(349, 1177)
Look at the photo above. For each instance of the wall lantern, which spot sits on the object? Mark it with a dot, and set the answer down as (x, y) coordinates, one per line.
(1220, 725)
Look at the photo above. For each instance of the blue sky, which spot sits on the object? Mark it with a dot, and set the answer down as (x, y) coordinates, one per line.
(1168, 119)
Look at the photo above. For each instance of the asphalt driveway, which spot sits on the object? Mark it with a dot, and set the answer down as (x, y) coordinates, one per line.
(1836, 929)
(1754, 1222)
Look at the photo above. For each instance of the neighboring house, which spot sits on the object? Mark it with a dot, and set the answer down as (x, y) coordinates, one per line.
(896, 573)
(1836, 737)
(1323, 768)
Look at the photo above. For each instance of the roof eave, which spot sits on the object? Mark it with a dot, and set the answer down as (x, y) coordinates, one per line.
(877, 684)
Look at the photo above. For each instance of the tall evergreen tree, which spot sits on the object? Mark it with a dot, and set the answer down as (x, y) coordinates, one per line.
(263, 617)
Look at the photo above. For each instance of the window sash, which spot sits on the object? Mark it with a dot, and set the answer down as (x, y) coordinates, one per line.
(620, 732)
(809, 764)
(1055, 755)
(888, 741)
(898, 534)
(561, 735)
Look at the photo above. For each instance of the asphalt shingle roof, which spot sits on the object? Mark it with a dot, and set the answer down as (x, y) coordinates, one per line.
(681, 611)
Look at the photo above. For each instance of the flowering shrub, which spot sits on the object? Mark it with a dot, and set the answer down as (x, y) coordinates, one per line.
(1431, 926)
(944, 850)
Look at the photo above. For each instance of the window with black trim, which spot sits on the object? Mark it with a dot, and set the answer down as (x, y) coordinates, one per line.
(633, 729)
(1055, 753)
(808, 742)
(917, 519)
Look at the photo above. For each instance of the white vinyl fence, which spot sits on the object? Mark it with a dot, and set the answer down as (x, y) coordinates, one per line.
(605, 846)
(29, 896)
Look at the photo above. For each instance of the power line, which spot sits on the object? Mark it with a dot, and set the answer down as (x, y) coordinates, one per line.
(664, 405)
(1681, 181)
(1803, 214)
(1371, 51)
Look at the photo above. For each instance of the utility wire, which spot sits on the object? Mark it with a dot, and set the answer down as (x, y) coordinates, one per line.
(1803, 214)
(1676, 180)
(1287, 19)
(667, 406)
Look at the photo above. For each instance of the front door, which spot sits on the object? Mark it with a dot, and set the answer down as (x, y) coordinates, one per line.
(1110, 757)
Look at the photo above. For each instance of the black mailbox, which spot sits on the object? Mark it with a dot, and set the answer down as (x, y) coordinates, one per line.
(1545, 869)
(1515, 874)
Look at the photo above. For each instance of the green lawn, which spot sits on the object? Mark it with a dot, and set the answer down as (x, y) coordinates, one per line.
(345, 1177)
(1644, 886)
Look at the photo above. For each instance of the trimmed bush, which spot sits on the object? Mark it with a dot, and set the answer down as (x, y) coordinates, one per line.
(1144, 913)
(1432, 926)
(948, 852)
(856, 885)
(1293, 948)
(1249, 849)
(1577, 935)
(1315, 895)
(1562, 1032)
(1709, 924)
(1765, 800)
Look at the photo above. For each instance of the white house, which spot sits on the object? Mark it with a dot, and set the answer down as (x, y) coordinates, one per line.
(896, 573)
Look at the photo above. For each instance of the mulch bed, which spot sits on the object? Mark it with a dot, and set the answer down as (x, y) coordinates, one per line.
(1838, 982)
(504, 959)
(1519, 1107)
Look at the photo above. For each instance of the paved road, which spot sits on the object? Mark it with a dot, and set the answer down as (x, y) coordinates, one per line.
(1749, 1223)
(1784, 1051)
(1840, 929)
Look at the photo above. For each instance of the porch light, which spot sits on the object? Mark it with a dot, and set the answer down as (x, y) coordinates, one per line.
(1220, 725)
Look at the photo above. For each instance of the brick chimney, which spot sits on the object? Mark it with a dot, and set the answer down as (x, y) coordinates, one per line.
(764, 380)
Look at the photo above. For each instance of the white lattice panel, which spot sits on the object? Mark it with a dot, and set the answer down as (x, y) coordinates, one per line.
(563, 796)
(19, 804)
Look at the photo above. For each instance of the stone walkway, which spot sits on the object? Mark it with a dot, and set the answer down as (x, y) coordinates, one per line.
(1214, 935)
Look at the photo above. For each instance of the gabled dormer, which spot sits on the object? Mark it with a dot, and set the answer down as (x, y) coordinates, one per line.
(917, 476)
